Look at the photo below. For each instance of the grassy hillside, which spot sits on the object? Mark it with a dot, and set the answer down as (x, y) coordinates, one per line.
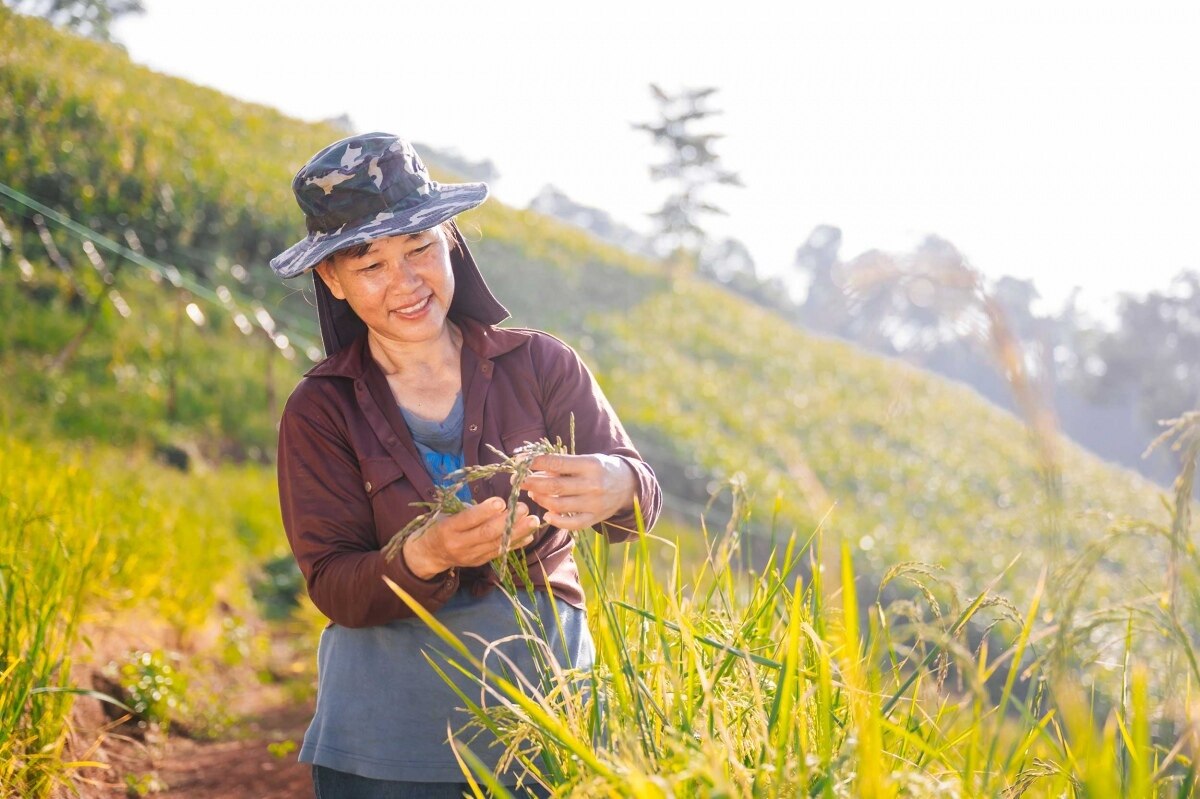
(190, 351)
(709, 384)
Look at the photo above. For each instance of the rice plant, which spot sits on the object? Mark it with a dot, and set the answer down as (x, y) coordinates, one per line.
(760, 683)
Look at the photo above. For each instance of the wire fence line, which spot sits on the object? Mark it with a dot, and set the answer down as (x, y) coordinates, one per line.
(299, 335)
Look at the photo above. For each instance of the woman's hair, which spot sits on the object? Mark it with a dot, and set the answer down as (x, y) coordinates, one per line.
(359, 250)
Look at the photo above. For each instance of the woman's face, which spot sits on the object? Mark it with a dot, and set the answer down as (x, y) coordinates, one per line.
(401, 287)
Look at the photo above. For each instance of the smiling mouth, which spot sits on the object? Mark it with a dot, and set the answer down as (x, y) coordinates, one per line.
(415, 307)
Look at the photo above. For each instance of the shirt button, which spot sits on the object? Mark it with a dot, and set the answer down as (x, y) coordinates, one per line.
(358, 385)
(487, 367)
(368, 486)
(473, 428)
(391, 442)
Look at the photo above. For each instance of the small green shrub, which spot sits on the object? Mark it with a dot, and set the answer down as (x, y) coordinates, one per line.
(155, 688)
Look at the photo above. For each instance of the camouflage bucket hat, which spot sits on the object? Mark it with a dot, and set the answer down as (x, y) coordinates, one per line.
(368, 187)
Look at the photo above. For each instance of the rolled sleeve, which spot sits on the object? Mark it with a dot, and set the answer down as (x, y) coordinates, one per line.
(623, 525)
(569, 388)
(331, 529)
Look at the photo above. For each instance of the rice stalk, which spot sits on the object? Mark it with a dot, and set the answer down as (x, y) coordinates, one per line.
(446, 501)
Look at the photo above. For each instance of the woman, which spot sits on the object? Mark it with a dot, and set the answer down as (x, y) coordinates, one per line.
(418, 381)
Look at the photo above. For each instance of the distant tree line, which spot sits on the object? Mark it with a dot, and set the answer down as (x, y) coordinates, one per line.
(1109, 384)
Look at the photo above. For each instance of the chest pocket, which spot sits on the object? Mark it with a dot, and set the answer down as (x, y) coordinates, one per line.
(378, 473)
(518, 438)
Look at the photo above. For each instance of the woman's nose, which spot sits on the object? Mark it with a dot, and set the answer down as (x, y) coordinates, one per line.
(404, 276)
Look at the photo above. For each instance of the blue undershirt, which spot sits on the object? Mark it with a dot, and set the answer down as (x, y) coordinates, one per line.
(381, 710)
(440, 444)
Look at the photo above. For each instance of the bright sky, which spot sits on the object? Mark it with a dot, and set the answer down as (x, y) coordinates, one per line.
(1058, 141)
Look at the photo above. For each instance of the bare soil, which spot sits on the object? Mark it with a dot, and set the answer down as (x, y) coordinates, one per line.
(176, 767)
(185, 764)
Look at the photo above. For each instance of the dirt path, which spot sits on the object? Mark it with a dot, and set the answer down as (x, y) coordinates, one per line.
(244, 768)
(240, 768)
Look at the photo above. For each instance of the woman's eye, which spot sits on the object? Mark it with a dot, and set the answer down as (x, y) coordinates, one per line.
(370, 268)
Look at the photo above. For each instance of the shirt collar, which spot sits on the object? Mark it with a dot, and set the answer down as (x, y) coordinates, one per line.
(486, 341)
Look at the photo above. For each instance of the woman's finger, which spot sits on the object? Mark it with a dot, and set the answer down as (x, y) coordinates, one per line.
(486, 533)
(492, 529)
(525, 540)
(475, 515)
(475, 535)
(566, 504)
(544, 484)
(572, 521)
(563, 464)
(492, 545)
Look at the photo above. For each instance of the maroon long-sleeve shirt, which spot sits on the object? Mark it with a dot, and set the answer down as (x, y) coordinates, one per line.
(349, 470)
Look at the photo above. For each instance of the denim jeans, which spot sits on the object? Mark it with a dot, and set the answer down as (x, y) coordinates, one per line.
(330, 783)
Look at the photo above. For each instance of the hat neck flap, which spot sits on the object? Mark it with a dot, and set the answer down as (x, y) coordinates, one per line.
(340, 325)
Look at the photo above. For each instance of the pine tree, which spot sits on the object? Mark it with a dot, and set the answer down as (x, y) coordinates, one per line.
(691, 166)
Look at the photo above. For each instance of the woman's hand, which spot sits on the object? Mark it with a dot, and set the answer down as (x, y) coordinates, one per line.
(471, 537)
(579, 491)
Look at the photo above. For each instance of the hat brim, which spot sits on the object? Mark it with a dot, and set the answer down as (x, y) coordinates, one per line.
(444, 201)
